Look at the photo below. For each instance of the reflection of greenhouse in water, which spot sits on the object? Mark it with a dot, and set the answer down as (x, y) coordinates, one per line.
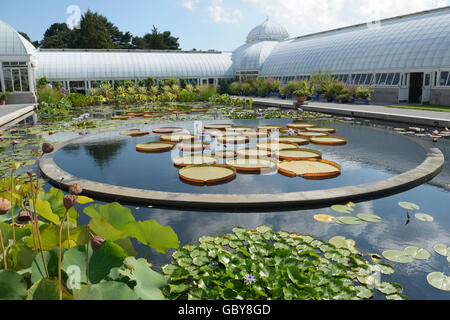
(406, 58)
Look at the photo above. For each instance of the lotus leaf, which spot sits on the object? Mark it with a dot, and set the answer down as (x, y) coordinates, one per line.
(342, 208)
(349, 220)
(46, 289)
(439, 281)
(342, 242)
(12, 286)
(324, 218)
(106, 257)
(418, 253)
(442, 249)
(106, 290)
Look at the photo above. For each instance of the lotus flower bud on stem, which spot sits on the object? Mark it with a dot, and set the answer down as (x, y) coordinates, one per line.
(5, 206)
(75, 189)
(24, 216)
(69, 201)
(96, 242)
(47, 148)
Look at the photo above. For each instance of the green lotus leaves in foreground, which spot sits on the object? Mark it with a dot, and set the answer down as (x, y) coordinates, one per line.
(409, 205)
(12, 286)
(439, 281)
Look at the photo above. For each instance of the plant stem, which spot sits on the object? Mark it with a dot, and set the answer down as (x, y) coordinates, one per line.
(61, 225)
(12, 206)
(146, 252)
(87, 254)
(5, 265)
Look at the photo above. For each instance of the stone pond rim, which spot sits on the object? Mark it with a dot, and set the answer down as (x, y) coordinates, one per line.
(426, 171)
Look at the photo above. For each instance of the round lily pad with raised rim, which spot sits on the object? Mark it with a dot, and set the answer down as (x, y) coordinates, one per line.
(292, 139)
(329, 140)
(154, 115)
(218, 126)
(178, 137)
(275, 146)
(298, 154)
(198, 110)
(155, 146)
(134, 133)
(225, 154)
(193, 146)
(252, 163)
(313, 134)
(119, 118)
(322, 129)
(239, 129)
(324, 218)
(270, 127)
(300, 125)
(310, 169)
(256, 134)
(194, 159)
(207, 174)
(165, 130)
(254, 152)
(233, 139)
(439, 281)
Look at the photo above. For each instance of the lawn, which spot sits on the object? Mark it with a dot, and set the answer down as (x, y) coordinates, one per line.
(427, 107)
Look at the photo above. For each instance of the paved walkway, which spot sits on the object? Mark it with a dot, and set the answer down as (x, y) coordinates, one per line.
(412, 116)
(11, 112)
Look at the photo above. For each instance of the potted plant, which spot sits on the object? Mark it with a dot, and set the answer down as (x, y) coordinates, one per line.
(3, 97)
(364, 93)
(304, 91)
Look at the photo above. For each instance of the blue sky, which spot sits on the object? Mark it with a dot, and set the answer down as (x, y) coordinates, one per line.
(210, 24)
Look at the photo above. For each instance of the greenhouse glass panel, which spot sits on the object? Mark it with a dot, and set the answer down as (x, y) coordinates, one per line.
(16, 79)
(389, 79)
(24, 79)
(444, 76)
(396, 79)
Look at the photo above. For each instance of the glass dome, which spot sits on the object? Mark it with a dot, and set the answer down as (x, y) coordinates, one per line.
(268, 31)
(12, 43)
(251, 56)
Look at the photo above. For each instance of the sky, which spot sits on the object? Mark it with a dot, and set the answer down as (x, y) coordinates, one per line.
(208, 24)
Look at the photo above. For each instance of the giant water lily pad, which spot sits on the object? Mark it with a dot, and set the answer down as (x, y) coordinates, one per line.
(311, 134)
(322, 129)
(194, 159)
(298, 154)
(270, 127)
(409, 205)
(165, 130)
(233, 139)
(274, 145)
(368, 217)
(207, 174)
(134, 133)
(218, 126)
(252, 163)
(439, 281)
(398, 256)
(155, 146)
(424, 217)
(310, 169)
(300, 125)
(193, 146)
(292, 139)
(178, 137)
(254, 152)
(224, 153)
(329, 140)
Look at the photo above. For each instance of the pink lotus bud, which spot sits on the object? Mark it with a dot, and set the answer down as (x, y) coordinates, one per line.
(69, 201)
(47, 148)
(97, 242)
(24, 216)
(75, 189)
(5, 206)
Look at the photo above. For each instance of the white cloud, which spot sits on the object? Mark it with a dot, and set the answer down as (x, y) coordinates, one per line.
(188, 5)
(221, 15)
(307, 16)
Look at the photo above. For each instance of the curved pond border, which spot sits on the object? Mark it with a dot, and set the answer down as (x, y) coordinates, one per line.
(426, 171)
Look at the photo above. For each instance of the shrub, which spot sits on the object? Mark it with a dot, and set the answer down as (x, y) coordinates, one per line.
(129, 84)
(207, 92)
(363, 92)
(149, 82)
(285, 91)
(334, 89)
(186, 96)
(223, 87)
(78, 100)
(171, 82)
(235, 88)
(42, 82)
(50, 96)
(262, 89)
(246, 88)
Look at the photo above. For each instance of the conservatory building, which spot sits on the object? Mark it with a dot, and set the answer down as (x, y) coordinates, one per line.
(405, 58)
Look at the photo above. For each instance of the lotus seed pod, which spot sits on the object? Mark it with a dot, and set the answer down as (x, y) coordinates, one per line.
(69, 201)
(47, 148)
(24, 216)
(5, 206)
(97, 242)
(75, 189)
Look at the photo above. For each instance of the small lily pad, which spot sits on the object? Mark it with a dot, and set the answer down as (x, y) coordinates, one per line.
(343, 243)
(324, 218)
(439, 281)
(397, 256)
(418, 253)
(442, 249)
(424, 217)
(342, 209)
(349, 220)
(368, 217)
(409, 205)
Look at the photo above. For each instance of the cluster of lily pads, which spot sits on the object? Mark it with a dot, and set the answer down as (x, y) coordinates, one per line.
(263, 264)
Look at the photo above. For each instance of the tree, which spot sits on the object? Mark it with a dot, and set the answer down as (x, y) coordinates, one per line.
(94, 32)
(58, 35)
(156, 41)
(34, 43)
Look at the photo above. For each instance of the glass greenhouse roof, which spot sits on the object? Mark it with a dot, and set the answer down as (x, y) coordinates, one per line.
(414, 41)
(12, 43)
(104, 64)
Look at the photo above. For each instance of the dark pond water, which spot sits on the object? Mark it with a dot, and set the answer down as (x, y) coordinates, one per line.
(371, 154)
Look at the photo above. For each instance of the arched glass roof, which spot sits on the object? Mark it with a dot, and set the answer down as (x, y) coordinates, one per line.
(413, 42)
(251, 56)
(12, 43)
(120, 65)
